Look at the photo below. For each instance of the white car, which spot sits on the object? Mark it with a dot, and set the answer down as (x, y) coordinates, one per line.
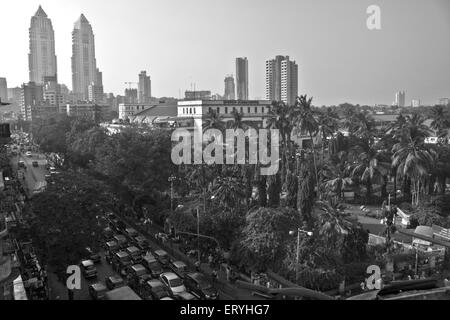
(29, 154)
(173, 283)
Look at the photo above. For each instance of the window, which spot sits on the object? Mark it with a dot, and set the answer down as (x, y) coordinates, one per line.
(256, 109)
(190, 110)
(242, 110)
(218, 110)
(226, 109)
(248, 110)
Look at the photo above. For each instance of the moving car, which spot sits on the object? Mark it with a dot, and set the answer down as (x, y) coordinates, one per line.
(88, 269)
(154, 290)
(29, 154)
(141, 242)
(94, 256)
(114, 282)
(138, 275)
(173, 283)
(179, 268)
(121, 241)
(199, 286)
(131, 233)
(135, 254)
(21, 164)
(97, 291)
(35, 163)
(186, 296)
(122, 293)
(152, 265)
(121, 260)
(162, 257)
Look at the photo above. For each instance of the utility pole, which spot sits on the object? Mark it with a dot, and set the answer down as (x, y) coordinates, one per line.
(198, 235)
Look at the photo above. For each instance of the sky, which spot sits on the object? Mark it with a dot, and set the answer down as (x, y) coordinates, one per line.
(183, 42)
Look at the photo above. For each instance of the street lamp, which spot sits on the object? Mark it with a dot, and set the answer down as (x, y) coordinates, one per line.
(299, 231)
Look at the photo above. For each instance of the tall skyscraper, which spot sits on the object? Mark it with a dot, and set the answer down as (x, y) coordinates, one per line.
(84, 65)
(42, 57)
(282, 80)
(145, 88)
(400, 99)
(131, 95)
(242, 78)
(229, 88)
(3, 90)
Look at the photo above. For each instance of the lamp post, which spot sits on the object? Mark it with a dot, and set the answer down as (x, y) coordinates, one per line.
(299, 231)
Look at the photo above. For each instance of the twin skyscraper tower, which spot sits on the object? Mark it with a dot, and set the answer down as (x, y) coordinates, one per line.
(42, 61)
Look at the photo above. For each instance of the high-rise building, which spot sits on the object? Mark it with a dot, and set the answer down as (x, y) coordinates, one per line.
(282, 80)
(400, 99)
(32, 96)
(197, 95)
(52, 92)
(3, 90)
(131, 95)
(229, 88)
(242, 78)
(14, 95)
(95, 93)
(145, 88)
(42, 57)
(415, 103)
(84, 64)
(444, 101)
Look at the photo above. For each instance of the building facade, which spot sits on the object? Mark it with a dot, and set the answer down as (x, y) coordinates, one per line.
(32, 96)
(415, 103)
(84, 64)
(42, 57)
(229, 93)
(281, 80)
(444, 101)
(242, 78)
(400, 99)
(197, 95)
(3, 90)
(126, 110)
(145, 88)
(95, 112)
(131, 95)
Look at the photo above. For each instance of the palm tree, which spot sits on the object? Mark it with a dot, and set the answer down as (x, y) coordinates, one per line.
(336, 175)
(305, 121)
(368, 164)
(214, 120)
(411, 156)
(229, 191)
(328, 126)
(440, 122)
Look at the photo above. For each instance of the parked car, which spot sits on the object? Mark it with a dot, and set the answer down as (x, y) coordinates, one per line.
(179, 268)
(97, 291)
(152, 265)
(173, 283)
(114, 282)
(88, 269)
(35, 163)
(198, 285)
(29, 154)
(154, 290)
(21, 164)
(162, 257)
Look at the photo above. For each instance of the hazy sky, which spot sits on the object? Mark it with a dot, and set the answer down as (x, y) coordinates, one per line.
(180, 42)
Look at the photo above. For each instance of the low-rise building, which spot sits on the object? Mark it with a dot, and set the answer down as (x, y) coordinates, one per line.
(96, 112)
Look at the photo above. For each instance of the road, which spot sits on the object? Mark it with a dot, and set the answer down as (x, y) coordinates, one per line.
(34, 177)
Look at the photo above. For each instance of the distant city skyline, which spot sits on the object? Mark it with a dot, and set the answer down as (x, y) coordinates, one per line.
(339, 59)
